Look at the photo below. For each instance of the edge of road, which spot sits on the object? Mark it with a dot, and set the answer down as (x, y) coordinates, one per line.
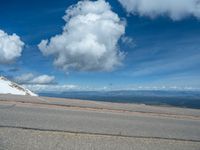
(174, 112)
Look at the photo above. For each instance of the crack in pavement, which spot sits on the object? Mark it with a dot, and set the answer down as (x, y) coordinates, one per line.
(7, 107)
(98, 134)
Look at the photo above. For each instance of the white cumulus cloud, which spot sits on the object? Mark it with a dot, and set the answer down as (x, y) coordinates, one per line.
(51, 88)
(10, 47)
(29, 78)
(175, 9)
(89, 41)
(24, 78)
(43, 79)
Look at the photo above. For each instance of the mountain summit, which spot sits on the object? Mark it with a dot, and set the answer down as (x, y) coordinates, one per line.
(9, 87)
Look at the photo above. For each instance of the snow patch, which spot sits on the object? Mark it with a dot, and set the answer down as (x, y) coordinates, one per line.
(9, 87)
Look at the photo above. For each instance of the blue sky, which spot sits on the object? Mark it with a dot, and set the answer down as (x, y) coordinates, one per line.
(160, 51)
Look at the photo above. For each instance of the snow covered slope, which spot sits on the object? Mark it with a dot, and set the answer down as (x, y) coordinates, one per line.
(9, 87)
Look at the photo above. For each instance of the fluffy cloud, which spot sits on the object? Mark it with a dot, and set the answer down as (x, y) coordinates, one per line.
(10, 47)
(24, 78)
(29, 78)
(43, 79)
(128, 41)
(175, 9)
(51, 88)
(89, 41)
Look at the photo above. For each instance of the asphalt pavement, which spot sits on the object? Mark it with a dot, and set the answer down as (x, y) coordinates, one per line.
(47, 123)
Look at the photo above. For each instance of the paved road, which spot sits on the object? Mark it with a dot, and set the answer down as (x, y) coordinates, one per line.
(17, 139)
(130, 129)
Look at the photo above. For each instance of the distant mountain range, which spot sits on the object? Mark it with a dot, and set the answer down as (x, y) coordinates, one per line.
(9, 87)
(190, 99)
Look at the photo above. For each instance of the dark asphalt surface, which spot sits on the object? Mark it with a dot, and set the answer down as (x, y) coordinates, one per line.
(132, 126)
(100, 122)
